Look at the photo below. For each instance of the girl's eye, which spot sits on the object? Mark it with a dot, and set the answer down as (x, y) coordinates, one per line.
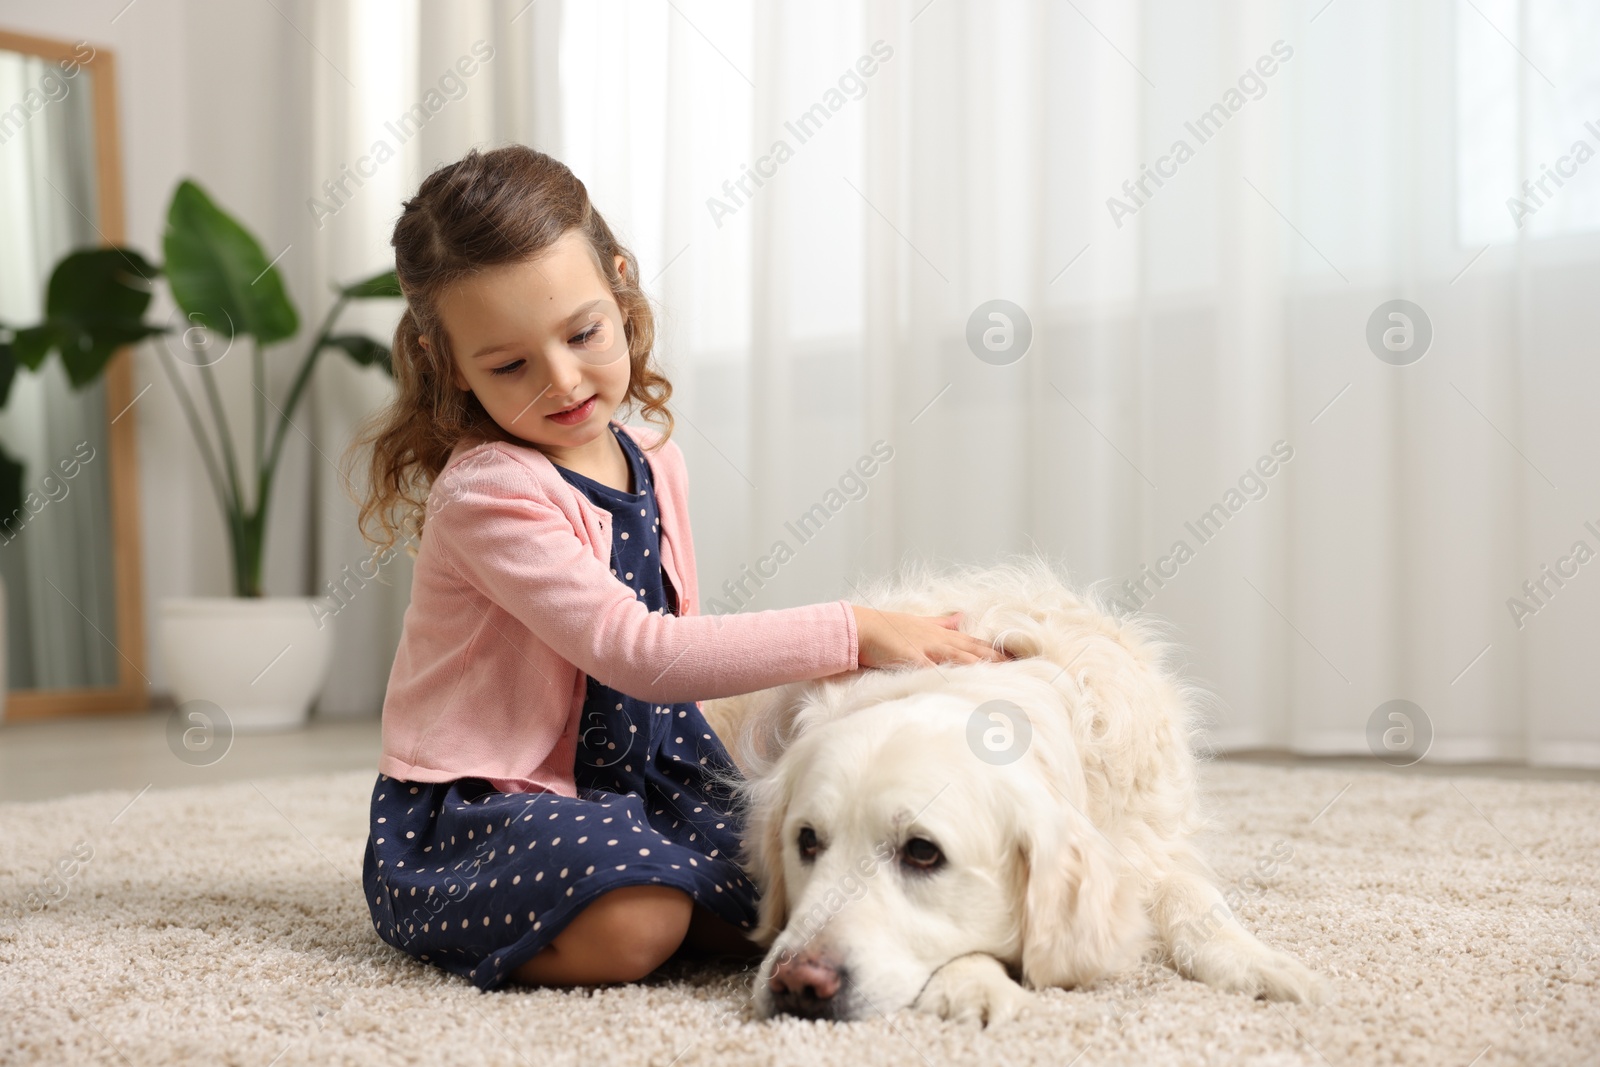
(508, 368)
(808, 843)
(591, 334)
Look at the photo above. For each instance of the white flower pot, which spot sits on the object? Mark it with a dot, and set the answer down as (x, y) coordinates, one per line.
(261, 660)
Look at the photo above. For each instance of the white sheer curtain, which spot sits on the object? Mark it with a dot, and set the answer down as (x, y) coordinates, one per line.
(404, 87)
(1356, 529)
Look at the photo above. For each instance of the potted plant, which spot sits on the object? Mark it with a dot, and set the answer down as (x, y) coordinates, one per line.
(260, 659)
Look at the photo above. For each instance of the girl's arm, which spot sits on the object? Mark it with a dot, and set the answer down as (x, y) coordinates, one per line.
(524, 555)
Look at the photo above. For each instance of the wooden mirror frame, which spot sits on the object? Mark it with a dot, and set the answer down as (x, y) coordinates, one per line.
(131, 693)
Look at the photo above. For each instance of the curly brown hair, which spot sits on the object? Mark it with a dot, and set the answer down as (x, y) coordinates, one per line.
(489, 208)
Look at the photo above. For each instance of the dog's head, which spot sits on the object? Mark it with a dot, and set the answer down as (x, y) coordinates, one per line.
(885, 847)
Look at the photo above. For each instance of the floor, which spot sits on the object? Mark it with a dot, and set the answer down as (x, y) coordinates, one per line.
(39, 761)
(1455, 918)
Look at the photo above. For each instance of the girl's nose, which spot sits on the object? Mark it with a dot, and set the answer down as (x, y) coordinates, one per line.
(566, 373)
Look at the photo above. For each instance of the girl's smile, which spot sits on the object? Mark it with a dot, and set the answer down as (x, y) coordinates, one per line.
(575, 414)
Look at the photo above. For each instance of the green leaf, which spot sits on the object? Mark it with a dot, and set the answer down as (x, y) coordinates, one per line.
(364, 350)
(100, 283)
(33, 344)
(8, 366)
(86, 359)
(385, 285)
(94, 304)
(10, 494)
(219, 273)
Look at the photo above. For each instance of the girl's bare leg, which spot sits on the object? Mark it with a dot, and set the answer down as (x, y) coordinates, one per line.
(621, 937)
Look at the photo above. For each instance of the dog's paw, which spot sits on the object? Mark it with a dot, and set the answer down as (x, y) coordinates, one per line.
(1252, 968)
(974, 989)
(1282, 977)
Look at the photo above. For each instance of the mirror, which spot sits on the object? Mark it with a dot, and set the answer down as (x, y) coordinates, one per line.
(72, 617)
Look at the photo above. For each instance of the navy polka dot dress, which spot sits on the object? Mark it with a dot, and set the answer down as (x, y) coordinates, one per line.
(478, 881)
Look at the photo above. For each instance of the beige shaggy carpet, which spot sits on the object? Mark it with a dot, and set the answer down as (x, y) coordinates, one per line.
(1459, 920)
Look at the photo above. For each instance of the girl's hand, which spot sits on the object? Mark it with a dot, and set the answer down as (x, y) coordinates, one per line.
(886, 638)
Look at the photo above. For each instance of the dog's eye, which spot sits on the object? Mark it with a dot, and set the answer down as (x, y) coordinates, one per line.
(922, 854)
(808, 843)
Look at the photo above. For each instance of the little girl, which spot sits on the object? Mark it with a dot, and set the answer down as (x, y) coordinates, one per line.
(551, 806)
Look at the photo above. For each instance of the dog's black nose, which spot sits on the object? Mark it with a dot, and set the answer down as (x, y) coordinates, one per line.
(806, 985)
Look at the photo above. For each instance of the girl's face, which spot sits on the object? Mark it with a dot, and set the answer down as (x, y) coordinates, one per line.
(540, 343)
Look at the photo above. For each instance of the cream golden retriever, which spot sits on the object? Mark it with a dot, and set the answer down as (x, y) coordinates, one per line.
(929, 837)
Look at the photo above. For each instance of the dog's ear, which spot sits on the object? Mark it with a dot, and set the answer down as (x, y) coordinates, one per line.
(1081, 914)
(769, 806)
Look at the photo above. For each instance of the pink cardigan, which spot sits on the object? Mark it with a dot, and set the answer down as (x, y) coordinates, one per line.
(513, 603)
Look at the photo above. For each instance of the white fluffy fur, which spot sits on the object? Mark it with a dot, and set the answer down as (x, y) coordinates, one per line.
(1060, 867)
